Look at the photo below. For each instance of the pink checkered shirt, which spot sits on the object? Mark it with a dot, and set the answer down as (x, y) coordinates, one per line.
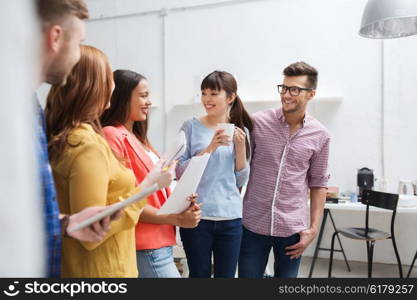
(283, 167)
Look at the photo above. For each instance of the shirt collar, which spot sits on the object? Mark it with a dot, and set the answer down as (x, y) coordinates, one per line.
(281, 117)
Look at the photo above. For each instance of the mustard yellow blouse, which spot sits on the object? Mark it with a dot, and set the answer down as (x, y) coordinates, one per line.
(88, 174)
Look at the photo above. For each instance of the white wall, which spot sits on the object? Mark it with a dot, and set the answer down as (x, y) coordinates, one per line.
(401, 109)
(22, 250)
(255, 40)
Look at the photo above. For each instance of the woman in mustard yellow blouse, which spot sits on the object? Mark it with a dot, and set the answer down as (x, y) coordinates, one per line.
(88, 174)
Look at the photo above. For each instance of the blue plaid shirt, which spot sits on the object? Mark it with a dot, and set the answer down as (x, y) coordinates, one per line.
(53, 224)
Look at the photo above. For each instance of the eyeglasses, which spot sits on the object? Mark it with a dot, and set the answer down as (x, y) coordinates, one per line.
(294, 90)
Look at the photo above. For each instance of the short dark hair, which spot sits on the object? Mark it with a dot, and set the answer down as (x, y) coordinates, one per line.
(54, 10)
(301, 68)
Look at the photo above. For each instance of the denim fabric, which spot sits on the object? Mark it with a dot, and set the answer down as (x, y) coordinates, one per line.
(52, 222)
(157, 263)
(254, 253)
(218, 238)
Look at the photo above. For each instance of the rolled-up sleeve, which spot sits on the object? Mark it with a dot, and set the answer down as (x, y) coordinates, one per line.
(242, 176)
(186, 157)
(318, 175)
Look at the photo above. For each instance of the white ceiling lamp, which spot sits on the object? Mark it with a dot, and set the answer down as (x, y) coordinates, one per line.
(387, 19)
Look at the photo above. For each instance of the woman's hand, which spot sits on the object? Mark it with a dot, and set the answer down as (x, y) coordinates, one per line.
(219, 139)
(96, 231)
(239, 139)
(161, 176)
(190, 217)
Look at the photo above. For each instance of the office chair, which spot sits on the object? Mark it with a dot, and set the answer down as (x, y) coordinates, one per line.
(371, 235)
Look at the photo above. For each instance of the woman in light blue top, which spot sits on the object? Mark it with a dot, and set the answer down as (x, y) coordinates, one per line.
(220, 229)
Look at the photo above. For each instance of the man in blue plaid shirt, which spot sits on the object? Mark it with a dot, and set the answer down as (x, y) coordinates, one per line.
(63, 30)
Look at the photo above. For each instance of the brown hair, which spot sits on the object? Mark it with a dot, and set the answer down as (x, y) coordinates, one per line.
(220, 80)
(81, 100)
(118, 114)
(301, 68)
(50, 11)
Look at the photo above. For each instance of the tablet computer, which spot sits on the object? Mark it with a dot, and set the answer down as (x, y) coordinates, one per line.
(115, 207)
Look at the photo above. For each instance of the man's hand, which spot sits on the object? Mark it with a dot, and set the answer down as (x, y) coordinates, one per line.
(96, 231)
(306, 237)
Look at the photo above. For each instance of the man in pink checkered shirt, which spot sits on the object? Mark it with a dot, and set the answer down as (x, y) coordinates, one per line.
(290, 152)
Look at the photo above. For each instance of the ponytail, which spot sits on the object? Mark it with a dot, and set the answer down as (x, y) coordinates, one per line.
(241, 118)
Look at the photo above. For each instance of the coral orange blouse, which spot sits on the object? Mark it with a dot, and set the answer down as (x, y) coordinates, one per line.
(125, 145)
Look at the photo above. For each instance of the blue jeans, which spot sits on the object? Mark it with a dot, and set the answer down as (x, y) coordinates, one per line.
(254, 253)
(220, 238)
(157, 263)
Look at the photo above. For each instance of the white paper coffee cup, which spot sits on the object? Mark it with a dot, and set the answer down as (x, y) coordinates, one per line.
(229, 129)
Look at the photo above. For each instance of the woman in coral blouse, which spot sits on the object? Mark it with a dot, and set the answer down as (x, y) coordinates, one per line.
(125, 128)
(88, 174)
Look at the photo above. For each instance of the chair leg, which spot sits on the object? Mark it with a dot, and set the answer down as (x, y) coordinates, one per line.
(400, 267)
(331, 254)
(368, 254)
(412, 265)
(343, 252)
(340, 243)
(370, 257)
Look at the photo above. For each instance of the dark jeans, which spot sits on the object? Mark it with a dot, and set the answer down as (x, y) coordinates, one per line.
(254, 253)
(220, 238)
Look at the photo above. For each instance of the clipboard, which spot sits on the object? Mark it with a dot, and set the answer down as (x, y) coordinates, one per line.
(112, 209)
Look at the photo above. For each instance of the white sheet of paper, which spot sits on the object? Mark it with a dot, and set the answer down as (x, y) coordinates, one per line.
(186, 186)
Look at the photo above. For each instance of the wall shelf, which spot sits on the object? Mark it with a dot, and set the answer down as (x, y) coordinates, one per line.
(256, 105)
(334, 99)
(272, 103)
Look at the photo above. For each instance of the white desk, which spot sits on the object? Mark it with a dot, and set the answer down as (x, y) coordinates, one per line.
(348, 206)
(353, 214)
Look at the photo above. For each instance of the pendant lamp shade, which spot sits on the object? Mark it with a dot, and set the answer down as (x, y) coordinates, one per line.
(388, 19)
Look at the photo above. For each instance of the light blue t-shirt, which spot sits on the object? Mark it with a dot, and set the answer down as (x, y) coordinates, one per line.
(219, 187)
